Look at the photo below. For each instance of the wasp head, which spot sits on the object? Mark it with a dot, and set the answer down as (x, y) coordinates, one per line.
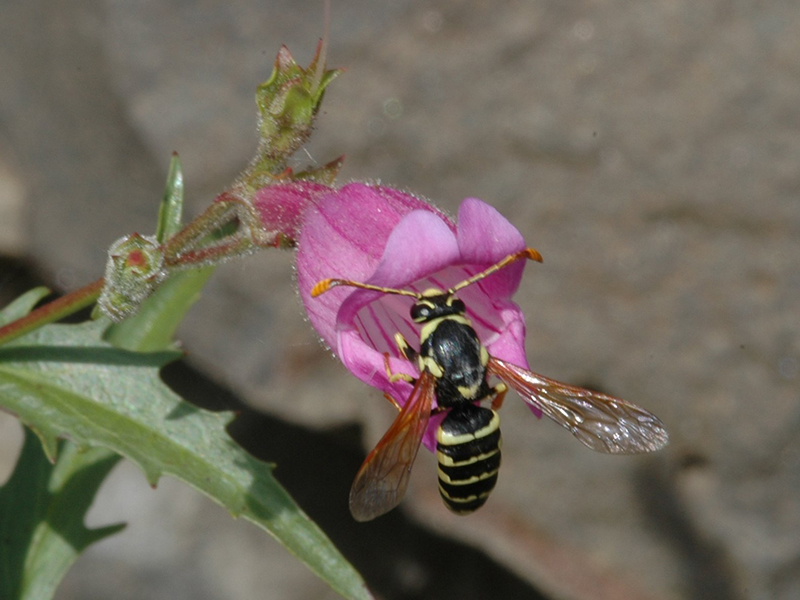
(435, 303)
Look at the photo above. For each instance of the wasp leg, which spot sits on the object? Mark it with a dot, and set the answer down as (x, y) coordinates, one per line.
(406, 352)
(393, 401)
(395, 376)
(499, 392)
(402, 345)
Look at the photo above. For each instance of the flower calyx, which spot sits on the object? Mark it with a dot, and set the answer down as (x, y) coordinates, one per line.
(134, 269)
(288, 103)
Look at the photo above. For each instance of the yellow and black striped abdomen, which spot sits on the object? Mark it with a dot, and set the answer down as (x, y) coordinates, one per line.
(468, 451)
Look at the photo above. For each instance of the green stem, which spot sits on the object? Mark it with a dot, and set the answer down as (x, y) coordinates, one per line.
(180, 250)
(193, 246)
(75, 301)
(210, 219)
(203, 257)
(52, 311)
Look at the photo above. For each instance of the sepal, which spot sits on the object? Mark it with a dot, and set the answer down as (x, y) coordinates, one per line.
(135, 267)
(288, 103)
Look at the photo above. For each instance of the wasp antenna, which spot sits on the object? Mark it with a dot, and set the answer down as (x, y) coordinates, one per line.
(529, 253)
(322, 286)
(326, 284)
(532, 254)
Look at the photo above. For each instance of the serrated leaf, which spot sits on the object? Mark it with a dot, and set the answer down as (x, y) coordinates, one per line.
(65, 381)
(42, 511)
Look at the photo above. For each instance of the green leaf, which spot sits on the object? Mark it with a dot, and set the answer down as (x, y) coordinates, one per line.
(66, 381)
(171, 210)
(42, 509)
(22, 305)
(153, 327)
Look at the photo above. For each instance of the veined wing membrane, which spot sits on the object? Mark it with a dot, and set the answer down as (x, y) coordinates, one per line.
(603, 423)
(382, 480)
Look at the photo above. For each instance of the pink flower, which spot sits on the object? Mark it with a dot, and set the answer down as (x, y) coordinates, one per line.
(388, 238)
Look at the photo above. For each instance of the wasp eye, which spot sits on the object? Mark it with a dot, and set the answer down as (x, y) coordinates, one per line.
(420, 312)
(458, 306)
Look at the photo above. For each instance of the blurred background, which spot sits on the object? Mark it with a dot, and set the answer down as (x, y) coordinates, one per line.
(650, 150)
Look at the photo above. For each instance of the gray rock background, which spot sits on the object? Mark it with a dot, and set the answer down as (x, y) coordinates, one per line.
(649, 150)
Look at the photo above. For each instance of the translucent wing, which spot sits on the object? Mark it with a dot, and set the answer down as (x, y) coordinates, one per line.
(604, 423)
(382, 480)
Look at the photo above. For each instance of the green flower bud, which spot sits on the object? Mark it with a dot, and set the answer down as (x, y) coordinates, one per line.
(133, 270)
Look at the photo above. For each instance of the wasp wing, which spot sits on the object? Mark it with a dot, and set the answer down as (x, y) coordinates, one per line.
(603, 423)
(382, 480)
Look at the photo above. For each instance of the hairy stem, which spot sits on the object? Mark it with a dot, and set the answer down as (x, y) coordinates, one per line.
(52, 311)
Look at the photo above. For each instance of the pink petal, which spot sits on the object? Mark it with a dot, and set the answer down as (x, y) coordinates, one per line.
(344, 236)
(486, 237)
(420, 244)
(366, 364)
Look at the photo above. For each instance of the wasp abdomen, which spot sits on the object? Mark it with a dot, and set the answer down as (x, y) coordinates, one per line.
(468, 451)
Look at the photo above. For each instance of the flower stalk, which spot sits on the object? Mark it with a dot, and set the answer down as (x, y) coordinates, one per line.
(263, 208)
(52, 311)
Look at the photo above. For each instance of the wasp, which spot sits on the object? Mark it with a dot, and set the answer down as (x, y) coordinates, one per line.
(454, 369)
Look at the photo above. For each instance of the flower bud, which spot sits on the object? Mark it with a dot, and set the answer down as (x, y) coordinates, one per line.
(287, 104)
(133, 270)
